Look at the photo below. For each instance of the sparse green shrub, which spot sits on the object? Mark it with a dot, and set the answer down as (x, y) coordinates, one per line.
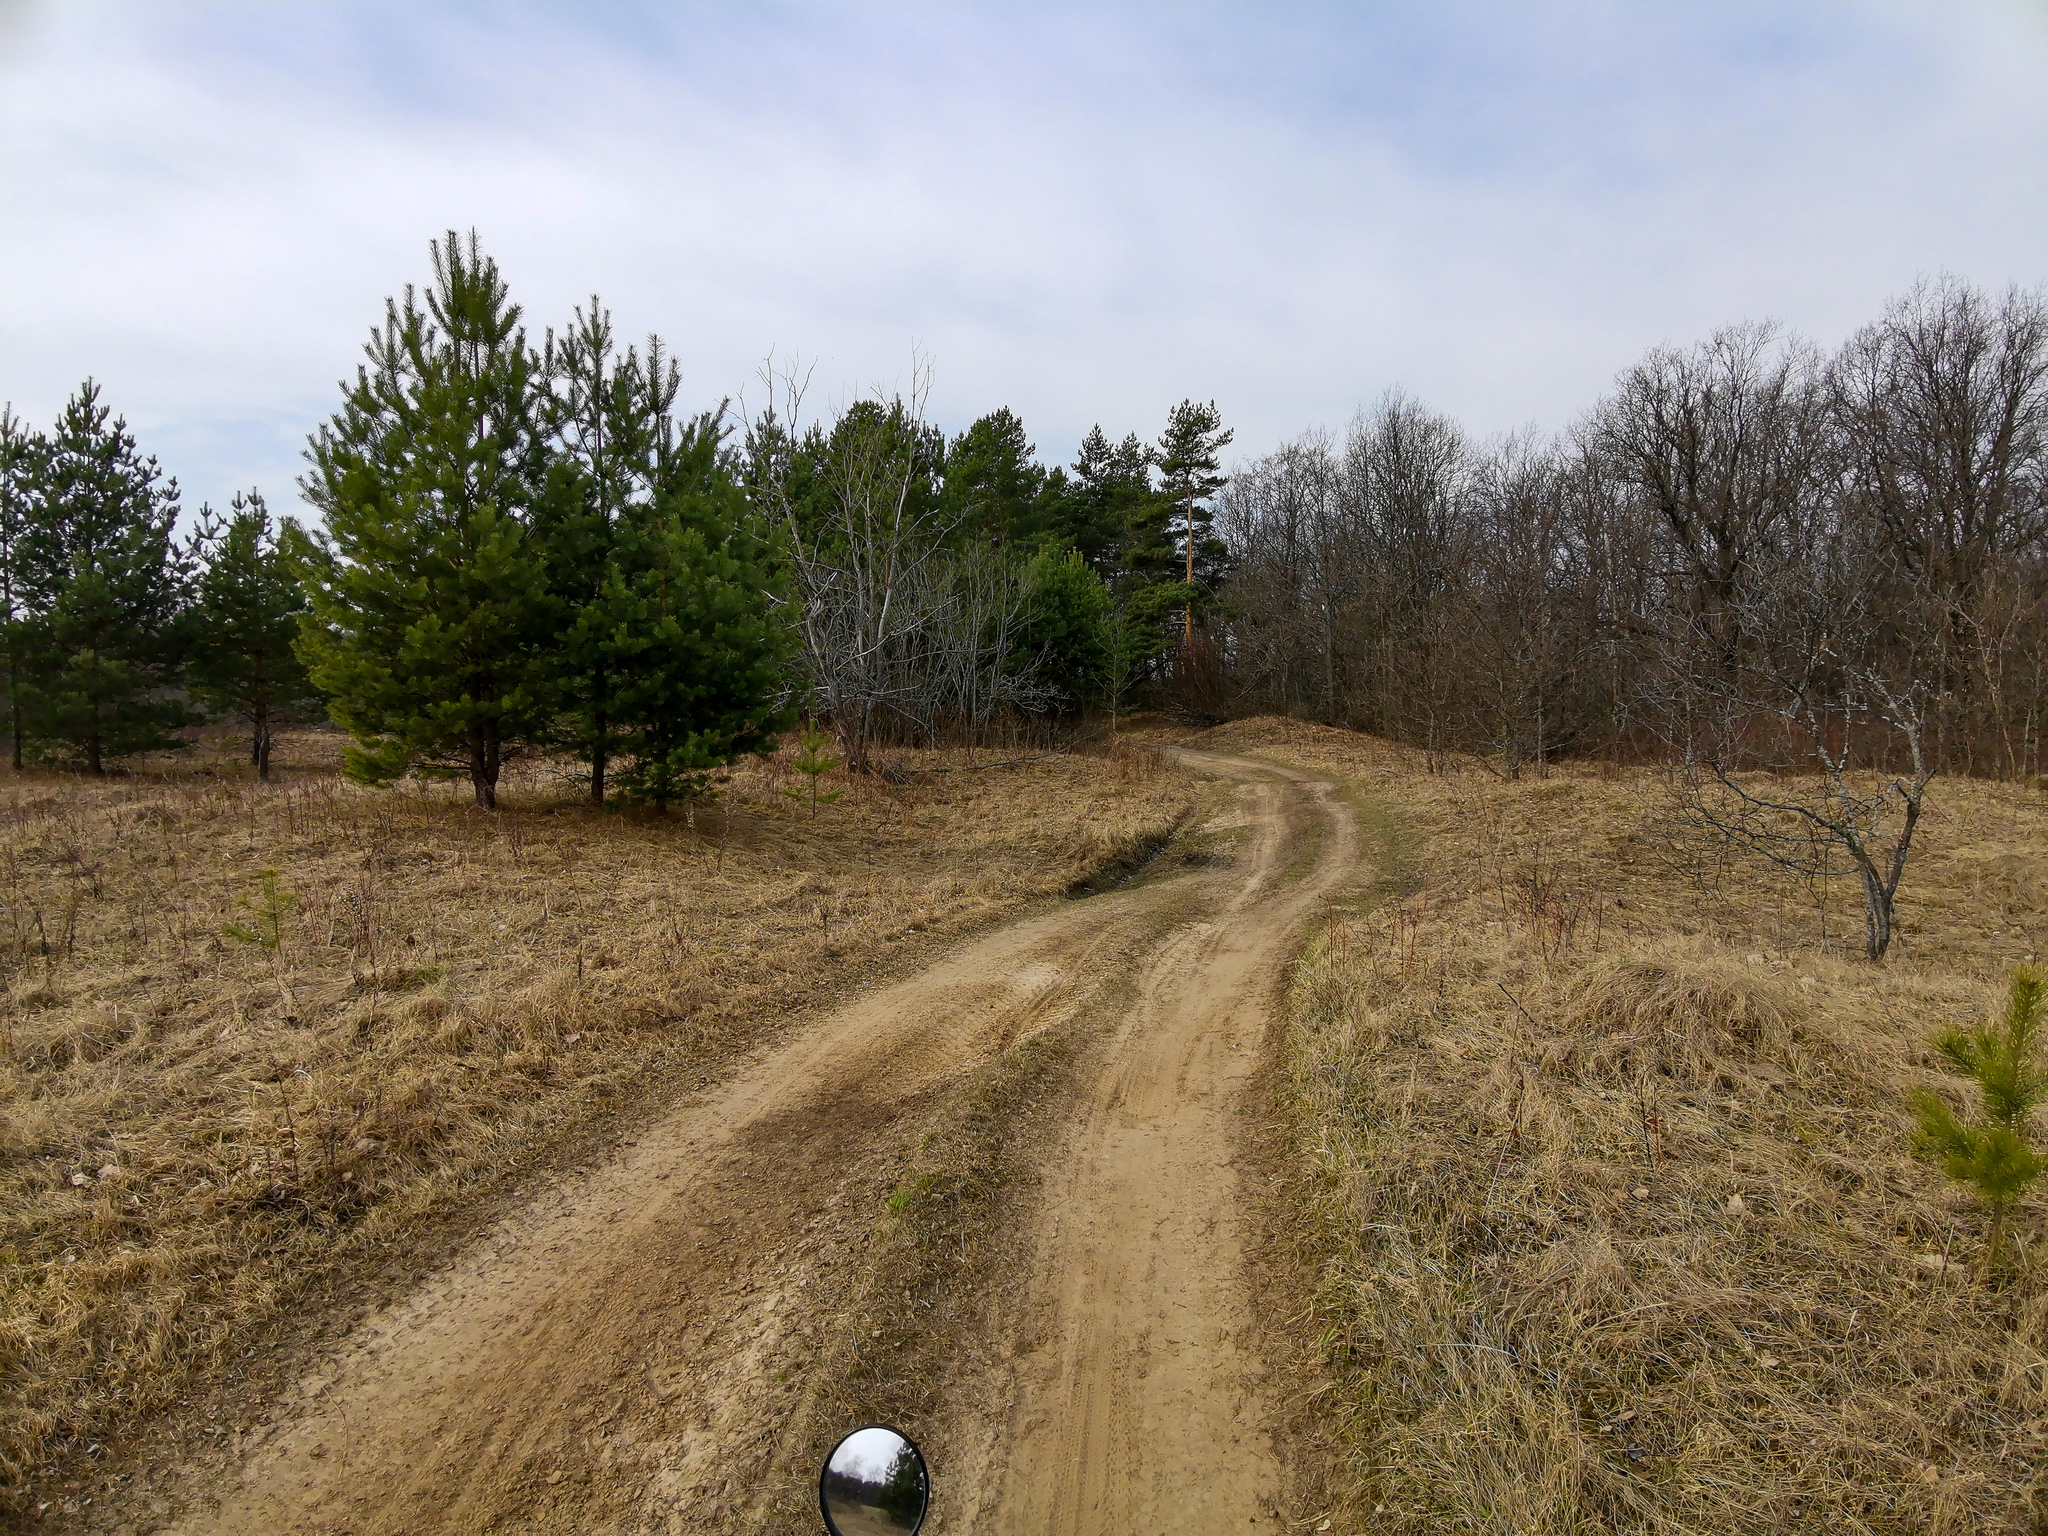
(814, 763)
(269, 911)
(1994, 1156)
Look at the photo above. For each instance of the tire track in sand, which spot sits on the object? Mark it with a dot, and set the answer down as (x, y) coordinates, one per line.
(624, 1354)
(1143, 1407)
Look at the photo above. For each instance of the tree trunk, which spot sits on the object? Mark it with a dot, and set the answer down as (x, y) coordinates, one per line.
(483, 770)
(1994, 1241)
(14, 696)
(1877, 913)
(598, 759)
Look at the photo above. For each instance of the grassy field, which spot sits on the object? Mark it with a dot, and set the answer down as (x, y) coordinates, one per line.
(200, 1130)
(1608, 1153)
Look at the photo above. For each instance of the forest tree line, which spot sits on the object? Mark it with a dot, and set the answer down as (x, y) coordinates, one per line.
(527, 547)
(1747, 548)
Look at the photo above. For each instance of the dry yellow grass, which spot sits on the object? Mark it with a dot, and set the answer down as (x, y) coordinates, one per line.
(197, 1130)
(1612, 1168)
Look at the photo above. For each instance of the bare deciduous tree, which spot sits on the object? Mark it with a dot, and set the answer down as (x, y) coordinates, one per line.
(1814, 745)
(901, 632)
(1942, 408)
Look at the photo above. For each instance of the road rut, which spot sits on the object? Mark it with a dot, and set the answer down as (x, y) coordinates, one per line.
(626, 1353)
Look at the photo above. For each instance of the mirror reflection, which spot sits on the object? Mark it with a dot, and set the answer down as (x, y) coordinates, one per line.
(874, 1484)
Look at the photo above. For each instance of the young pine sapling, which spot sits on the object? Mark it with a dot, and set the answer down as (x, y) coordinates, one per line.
(268, 911)
(1994, 1155)
(814, 763)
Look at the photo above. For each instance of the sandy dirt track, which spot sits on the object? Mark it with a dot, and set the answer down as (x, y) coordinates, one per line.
(623, 1354)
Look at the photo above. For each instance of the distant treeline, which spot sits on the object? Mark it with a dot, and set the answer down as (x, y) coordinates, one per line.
(1745, 539)
(526, 548)
(521, 549)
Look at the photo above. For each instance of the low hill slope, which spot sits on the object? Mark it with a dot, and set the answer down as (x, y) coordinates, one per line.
(1607, 1148)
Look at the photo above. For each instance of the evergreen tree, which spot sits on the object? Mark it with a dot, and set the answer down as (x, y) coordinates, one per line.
(1187, 456)
(20, 460)
(1995, 1155)
(429, 610)
(1067, 637)
(245, 623)
(705, 650)
(609, 418)
(870, 443)
(103, 586)
(993, 484)
(905, 1491)
(669, 653)
(1108, 493)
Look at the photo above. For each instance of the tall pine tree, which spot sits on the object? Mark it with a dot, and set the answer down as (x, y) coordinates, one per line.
(244, 625)
(1105, 498)
(103, 586)
(993, 484)
(700, 649)
(617, 449)
(1187, 456)
(430, 613)
(20, 475)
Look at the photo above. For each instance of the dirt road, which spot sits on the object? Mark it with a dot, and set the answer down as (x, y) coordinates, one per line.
(627, 1353)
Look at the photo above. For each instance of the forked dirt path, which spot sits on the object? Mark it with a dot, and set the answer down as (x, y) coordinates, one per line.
(625, 1354)
(1144, 1407)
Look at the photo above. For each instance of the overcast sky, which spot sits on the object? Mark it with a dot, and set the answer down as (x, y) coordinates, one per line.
(1086, 213)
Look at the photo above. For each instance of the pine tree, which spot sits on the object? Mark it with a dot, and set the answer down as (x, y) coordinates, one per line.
(814, 762)
(993, 484)
(1067, 640)
(668, 653)
(1994, 1157)
(612, 429)
(1187, 456)
(429, 610)
(20, 473)
(104, 587)
(701, 650)
(1104, 499)
(604, 414)
(245, 623)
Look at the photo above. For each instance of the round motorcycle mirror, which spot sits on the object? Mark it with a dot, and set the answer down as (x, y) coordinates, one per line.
(874, 1484)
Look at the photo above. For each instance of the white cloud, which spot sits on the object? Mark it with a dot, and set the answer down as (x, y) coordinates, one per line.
(1085, 215)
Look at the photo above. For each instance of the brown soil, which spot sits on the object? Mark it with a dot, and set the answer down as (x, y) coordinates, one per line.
(647, 1347)
(1140, 1399)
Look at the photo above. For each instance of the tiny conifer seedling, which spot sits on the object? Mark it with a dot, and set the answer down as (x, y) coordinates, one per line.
(814, 763)
(1993, 1156)
(268, 911)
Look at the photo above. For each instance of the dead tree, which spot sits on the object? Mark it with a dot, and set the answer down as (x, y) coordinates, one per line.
(861, 543)
(1812, 750)
(969, 673)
